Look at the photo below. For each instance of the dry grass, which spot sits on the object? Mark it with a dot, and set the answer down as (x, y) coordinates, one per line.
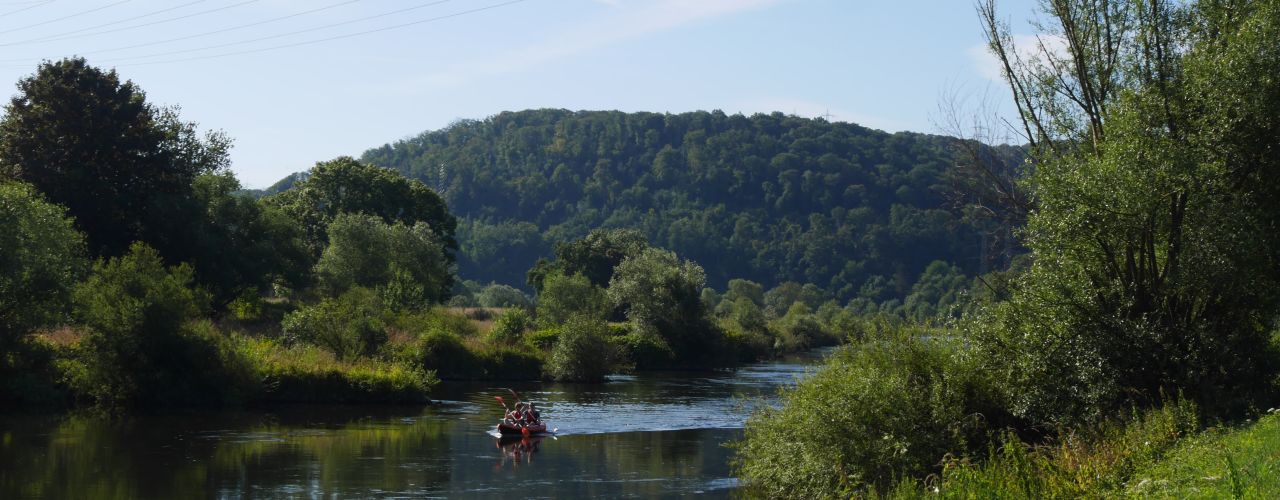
(481, 317)
(63, 336)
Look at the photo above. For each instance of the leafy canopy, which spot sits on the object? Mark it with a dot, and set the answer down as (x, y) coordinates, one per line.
(121, 166)
(41, 258)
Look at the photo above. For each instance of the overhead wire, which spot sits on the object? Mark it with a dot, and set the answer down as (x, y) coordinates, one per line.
(279, 35)
(60, 37)
(40, 3)
(63, 18)
(81, 30)
(332, 38)
(225, 30)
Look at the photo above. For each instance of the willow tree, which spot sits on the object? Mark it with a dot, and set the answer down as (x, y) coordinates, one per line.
(1152, 129)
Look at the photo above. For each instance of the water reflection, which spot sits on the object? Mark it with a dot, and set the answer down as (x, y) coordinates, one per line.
(651, 435)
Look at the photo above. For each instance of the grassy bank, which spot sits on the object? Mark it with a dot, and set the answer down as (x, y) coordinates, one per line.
(1160, 454)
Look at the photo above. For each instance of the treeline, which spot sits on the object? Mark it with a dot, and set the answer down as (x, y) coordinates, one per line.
(859, 213)
(1148, 309)
(139, 275)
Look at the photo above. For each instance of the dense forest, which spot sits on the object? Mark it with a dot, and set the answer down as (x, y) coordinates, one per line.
(771, 198)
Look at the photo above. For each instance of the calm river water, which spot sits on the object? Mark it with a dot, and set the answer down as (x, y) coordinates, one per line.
(650, 435)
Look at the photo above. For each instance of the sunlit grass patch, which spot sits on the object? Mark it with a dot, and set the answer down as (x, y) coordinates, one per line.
(305, 373)
(1240, 462)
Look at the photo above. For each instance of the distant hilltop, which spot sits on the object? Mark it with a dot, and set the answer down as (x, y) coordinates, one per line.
(770, 197)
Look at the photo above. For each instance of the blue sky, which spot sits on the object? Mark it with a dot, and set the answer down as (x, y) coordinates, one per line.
(295, 82)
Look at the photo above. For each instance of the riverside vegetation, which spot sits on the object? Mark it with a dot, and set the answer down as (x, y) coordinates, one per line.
(1133, 353)
(138, 275)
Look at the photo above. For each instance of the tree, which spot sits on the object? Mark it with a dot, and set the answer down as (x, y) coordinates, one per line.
(594, 256)
(1153, 241)
(346, 186)
(349, 325)
(366, 252)
(139, 351)
(662, 294)
(122, 167)
(498, 295)
(583, 352)
(41, 259)
(240, 245)
(565, 296)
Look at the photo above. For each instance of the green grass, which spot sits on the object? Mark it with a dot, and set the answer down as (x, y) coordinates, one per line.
(1159, 454)
(309, 374)
(1239, 462)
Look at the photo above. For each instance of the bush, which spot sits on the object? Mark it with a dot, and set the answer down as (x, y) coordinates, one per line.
(544, 338)
(445, 353)
(512, 363)
(509, 328)
(647, 350)
(498, 295)
(41, 258)
(1099, 461)
(141, 350)
(799, 330)
(584, 352)
(876, 412)
(348, 326)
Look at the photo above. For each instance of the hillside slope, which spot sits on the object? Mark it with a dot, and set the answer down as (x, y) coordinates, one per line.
(771, 198)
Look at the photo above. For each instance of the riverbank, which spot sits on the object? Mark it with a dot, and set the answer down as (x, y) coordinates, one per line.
(1162, 454)
(649, 434)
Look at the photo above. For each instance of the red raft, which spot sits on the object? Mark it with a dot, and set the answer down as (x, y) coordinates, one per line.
(509, 429)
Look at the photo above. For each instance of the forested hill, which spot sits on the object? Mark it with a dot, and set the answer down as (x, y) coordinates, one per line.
(771, 198)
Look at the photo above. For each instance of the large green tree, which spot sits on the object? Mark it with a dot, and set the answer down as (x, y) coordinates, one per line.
(238, 245)
(344, 185)
(594, 256)
(661, 295)
(121, 166)
(1154, 236)
(406, 263)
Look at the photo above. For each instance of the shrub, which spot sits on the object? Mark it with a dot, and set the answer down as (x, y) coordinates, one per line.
(509, 328)
(246, 307)
(544, 338)
(584, 352)
(876, 412)
(512, 363)
(348, 326)
(647, 350)
(498, 295)
(445, 353)
(41, 257)
(799, 330)
(1098, 461)
(141, 349)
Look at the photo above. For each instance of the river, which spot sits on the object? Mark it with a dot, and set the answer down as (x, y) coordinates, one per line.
(646, 435)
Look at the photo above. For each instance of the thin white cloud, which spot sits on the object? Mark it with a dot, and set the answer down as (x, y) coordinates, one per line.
(628, 21)
(1028, 48)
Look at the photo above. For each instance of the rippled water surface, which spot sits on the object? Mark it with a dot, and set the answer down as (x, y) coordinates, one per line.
(636, 436)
